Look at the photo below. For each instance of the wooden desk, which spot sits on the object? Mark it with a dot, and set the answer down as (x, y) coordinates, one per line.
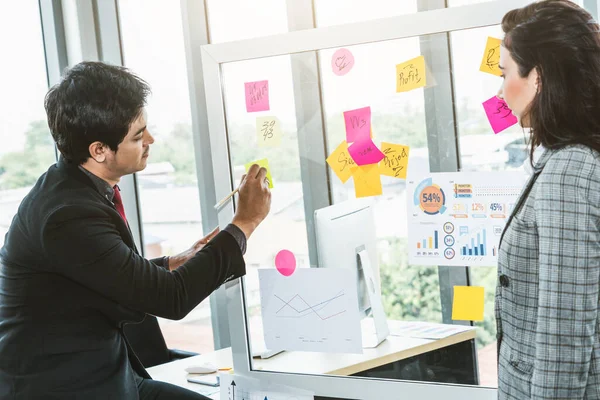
(393, 349)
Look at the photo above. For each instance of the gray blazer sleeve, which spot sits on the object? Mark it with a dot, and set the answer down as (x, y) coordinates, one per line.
(568, 216)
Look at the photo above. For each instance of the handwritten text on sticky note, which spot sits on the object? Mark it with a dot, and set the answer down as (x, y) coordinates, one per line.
(499, 115)
(268, 131)
(257, 96)
(262, 163)
(395, 162)
(340, 162)
(367, 181)
(411, 75)
(358, 124)
(342, 62)
(364, 152)
(468, 303)
(491, 57)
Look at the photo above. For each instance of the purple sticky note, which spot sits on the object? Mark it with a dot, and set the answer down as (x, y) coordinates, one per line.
(499, 115)
(365, 152)
(358, 124)
(257, 96)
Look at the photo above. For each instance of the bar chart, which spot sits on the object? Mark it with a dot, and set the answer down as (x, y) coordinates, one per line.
(430, 242)
(477, 245)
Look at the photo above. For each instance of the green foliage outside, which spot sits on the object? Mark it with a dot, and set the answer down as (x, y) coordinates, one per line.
(23, 168)
(412, 293)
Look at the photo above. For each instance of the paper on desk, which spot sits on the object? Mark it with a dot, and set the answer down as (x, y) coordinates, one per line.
(239, 387)
(426, 330)
(315, 309)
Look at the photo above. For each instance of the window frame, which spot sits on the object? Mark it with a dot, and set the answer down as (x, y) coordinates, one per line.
(423, 23)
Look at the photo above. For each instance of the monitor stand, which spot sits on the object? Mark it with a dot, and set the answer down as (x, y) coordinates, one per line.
(374, 329)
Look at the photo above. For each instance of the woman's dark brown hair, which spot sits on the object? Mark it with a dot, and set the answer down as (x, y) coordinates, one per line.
(562, 41)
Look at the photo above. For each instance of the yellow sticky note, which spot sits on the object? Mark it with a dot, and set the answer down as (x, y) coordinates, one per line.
(468, 303)
(340, 162)
(268, 131)
(411, 75)
(263, 163)
(491, 57)
(395, 162)
(367, 181)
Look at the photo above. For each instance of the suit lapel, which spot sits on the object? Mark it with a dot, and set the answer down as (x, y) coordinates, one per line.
(539, 166)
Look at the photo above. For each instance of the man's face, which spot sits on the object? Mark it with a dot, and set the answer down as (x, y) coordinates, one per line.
(132, 153)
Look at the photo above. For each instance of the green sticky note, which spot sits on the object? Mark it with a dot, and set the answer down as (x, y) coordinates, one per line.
(263, 163)
(468, 303)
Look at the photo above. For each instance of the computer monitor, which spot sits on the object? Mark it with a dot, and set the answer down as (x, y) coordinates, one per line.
(342, 230)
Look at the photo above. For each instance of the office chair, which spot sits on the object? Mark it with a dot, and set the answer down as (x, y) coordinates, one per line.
(149, 344)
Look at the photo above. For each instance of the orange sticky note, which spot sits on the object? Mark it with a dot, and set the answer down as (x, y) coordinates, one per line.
(411, 75)
(262, 163)
(395, 162)
(340, 162)
(491, 57)
(468, 303)
(367, 180)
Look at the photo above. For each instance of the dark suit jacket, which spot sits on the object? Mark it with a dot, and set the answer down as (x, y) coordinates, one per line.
(70, 278)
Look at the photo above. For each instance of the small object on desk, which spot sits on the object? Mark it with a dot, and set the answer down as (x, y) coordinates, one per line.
(206, 368)
(222, 202)
(209, 380)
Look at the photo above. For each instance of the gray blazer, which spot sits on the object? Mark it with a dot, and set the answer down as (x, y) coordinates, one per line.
(549, 274)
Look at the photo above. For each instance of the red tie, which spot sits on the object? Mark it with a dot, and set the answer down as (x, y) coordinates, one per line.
(118, 202)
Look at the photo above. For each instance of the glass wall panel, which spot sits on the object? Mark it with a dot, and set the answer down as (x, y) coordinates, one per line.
(26, 146)
(153, 48)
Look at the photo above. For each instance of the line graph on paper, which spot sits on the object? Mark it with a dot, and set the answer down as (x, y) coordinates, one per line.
(315, 309)
(298, 307)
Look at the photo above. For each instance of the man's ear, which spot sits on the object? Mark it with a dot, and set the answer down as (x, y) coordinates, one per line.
(98, 151)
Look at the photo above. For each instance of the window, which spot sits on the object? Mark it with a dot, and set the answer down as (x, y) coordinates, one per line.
(240, 19)
(153, 48)
(287, 207)
(26, 146)
(336, 12)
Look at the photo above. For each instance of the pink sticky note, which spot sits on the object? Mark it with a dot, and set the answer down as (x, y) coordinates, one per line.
(499, 115)
(342, 62)
(257, 96)
(285, 262)
(358, 124)
(365, 152)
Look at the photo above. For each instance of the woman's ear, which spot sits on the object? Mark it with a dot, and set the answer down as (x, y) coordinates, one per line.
(536, 78)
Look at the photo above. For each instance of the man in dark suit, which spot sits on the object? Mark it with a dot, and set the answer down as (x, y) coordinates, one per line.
(70, 275)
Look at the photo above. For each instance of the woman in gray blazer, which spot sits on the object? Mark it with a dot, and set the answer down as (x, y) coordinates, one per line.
(549, 260)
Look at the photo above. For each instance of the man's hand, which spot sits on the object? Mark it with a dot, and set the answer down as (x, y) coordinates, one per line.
(254, 200)
(179, 259)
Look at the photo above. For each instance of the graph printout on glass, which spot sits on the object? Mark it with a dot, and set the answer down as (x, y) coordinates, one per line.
(457, 218)
(315, 309)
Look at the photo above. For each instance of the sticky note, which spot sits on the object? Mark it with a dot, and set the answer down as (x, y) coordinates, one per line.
(491, 57)
(341, 162)
(364, 152)
(467, 304)
(263, 163)
(285, 262)
(395, 161)
(268, 131)
(367, 181)
(257, 96)
(498, 113)
(342, 62)
(358, 124)
(411, 75)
